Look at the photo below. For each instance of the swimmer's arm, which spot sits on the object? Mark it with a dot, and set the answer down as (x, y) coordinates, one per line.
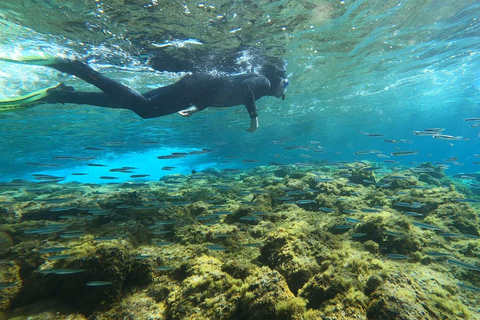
(251, 107)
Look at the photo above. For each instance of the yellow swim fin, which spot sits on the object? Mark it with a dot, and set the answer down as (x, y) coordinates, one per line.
(26, 101)
(34, 60)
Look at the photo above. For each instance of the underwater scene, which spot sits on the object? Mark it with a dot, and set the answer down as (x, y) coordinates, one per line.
(154, 164)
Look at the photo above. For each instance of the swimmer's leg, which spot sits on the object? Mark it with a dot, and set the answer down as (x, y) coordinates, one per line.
(119, 95)
(123, 96)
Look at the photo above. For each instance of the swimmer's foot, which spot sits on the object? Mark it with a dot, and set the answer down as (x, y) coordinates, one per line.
(26, 101)
(36, 60)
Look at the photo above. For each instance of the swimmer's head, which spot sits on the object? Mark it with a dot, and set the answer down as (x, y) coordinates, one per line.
(274, 71)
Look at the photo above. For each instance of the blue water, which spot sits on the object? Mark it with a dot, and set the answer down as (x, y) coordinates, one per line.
(374, 66)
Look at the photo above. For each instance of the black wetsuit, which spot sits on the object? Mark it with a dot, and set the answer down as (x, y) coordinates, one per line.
(200, 90)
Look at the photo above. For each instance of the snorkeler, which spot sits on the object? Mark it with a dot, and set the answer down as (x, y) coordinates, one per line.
(189, 95)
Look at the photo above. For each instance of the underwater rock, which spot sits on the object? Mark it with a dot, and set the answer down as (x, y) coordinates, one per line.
(206, 291)
(399, 297)
(363, 177)
(377, 230)
(46, 309)
(282, 172)
(5, 242)
(460, 216)
(291, 256)
(267, 296)
(105, 261)
(245, 245)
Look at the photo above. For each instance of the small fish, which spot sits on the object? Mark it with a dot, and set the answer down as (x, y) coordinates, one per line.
(424, 133)
(164, 268)
(403, 153)
(467, 200)
(142, 257)
(413, 214)
(216, 247)
(134, 176)
(471, 119)
(170, 157)
(391, 141)
(7, 285)
(359, 235)
(325, 209)
(71, 235)
(370, 210)
(437, 254)
(107, 178)
(250, 218)
(98, 283)
(164, 243)
(96, 165)
(396, 256)
(451, 235)
(446, 137)
(222, 213)
(426, 226)
(124, 206)
(394, 234)
(434, 129)
(222, 235)
(466, 286)
(463, 264)
(305, 201)
(42, 164)
(353, 220)
(93, 149)
(342, 226)
(61, 271)
(413, 205)
(250, 161)
(359, 153)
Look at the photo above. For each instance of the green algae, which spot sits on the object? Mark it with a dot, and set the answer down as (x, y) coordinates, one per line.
(303, 267)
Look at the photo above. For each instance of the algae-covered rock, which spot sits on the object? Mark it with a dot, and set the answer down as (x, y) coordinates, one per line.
(291, 256)
(361, 176)
(400, 297)
(206, 291)
(267, 296)
(106, 262)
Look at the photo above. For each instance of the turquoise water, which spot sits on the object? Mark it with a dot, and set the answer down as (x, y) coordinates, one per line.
(327, 211)
(386, 67)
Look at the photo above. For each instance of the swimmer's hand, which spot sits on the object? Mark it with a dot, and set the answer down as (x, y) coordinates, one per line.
(253, 125)
(188, 112)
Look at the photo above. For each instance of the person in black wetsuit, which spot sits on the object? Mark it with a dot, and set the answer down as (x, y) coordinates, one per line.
(189, 95)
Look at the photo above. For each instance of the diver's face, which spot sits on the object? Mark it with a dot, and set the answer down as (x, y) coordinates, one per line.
(281, 88)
